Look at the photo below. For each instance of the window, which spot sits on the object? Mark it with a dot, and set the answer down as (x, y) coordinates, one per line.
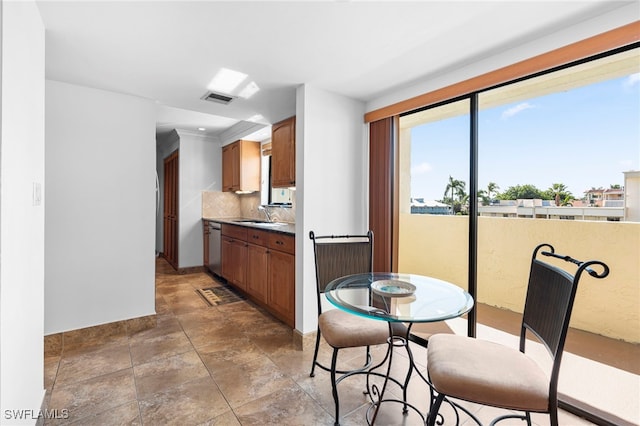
(434, 147)
(269, 195)
(559, 136)
(549, 148)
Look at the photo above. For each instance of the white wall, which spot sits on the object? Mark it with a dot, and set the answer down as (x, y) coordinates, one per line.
(331, 182)
(585, 29)
(200, 170)
(21, 220)
(100, 216)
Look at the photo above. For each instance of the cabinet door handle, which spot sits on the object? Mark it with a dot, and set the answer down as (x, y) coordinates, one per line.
(279, 242)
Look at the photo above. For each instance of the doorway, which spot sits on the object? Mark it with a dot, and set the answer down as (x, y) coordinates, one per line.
(170, 209)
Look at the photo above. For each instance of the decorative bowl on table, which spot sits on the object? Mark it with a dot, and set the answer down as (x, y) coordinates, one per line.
(393, 288)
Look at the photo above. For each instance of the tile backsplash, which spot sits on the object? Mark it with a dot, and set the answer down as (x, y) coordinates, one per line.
(228, 204)
(220, 204)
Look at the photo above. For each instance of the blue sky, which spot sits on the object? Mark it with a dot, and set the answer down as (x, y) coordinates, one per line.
(585, 137)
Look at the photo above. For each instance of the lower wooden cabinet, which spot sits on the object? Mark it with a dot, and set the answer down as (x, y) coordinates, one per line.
(281, 286)
(234, 253)
(262, 264)
(257, 270)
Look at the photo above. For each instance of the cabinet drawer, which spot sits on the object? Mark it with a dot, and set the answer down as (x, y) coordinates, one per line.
(255, 236)
(233, 231)
(282, 242)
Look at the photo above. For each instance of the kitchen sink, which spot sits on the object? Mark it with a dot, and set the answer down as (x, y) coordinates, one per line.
(259, 222)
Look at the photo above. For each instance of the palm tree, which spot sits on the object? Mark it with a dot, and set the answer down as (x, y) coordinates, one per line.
(567, 201)
(492, 188)
(455, 186)
(483, 197)
(463, 203)
(461, 191)
(559, 191)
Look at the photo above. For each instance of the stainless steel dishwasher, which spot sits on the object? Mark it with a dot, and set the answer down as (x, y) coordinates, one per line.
(215, 240)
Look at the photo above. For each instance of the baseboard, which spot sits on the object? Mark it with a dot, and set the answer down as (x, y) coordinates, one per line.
(304, 342)
(55, 343)
(191, 270)
(298, 340)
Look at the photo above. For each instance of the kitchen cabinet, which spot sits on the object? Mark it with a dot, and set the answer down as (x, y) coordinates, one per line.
(261, 263)
(230, 170)
(283, 153)
(281, 282)
(257, 265)
(234, 255)
(271, 273)
(241, 166)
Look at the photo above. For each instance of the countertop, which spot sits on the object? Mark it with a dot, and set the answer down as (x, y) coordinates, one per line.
(285, 228)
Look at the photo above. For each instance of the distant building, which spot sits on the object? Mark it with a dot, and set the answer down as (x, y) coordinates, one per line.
(420, 206)
(547, 209)
(613, 205)
(632, 196)
(611, 197)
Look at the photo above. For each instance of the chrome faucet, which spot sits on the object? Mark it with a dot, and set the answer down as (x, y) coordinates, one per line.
(266, 212)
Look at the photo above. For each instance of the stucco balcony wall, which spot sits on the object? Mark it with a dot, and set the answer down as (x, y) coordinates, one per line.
(437, 246)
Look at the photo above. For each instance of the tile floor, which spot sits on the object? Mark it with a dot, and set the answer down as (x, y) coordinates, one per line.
(227, 365)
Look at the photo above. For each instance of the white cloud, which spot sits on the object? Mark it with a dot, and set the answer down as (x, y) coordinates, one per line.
(420, 169)
(516, 109)
(632, 80)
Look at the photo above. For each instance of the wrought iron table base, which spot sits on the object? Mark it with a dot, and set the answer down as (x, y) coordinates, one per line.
(373, 391)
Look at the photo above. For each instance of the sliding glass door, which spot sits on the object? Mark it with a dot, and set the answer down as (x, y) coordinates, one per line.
(433, 191)
(558, 161)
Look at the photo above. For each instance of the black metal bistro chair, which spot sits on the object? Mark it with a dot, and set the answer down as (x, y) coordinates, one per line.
(337, 256)
(492, 374)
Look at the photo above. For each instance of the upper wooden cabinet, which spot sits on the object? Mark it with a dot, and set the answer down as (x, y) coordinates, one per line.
(283, 153)
(241, 166)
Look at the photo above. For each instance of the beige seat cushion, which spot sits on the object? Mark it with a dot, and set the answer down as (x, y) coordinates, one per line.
(487, 373)
(344, 330)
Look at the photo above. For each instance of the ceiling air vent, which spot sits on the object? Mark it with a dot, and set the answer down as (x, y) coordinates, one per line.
(217, 97)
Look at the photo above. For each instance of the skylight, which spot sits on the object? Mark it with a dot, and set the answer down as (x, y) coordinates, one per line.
(226, 80)
(249, 90)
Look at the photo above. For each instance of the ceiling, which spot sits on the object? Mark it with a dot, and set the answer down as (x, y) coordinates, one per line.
(169, 51)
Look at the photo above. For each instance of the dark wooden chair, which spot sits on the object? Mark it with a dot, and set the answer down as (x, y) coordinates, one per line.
(337, 256)
(492, 374)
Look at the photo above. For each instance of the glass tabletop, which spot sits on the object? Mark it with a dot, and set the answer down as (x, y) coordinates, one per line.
(399, 297)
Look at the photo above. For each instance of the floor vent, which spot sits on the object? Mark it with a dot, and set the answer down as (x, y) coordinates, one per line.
(219, 295)
(217, 97)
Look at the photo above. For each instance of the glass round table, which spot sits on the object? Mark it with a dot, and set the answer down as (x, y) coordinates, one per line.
(397, 298)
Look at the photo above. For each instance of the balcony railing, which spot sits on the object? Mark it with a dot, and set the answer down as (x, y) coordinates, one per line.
(437, 246)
